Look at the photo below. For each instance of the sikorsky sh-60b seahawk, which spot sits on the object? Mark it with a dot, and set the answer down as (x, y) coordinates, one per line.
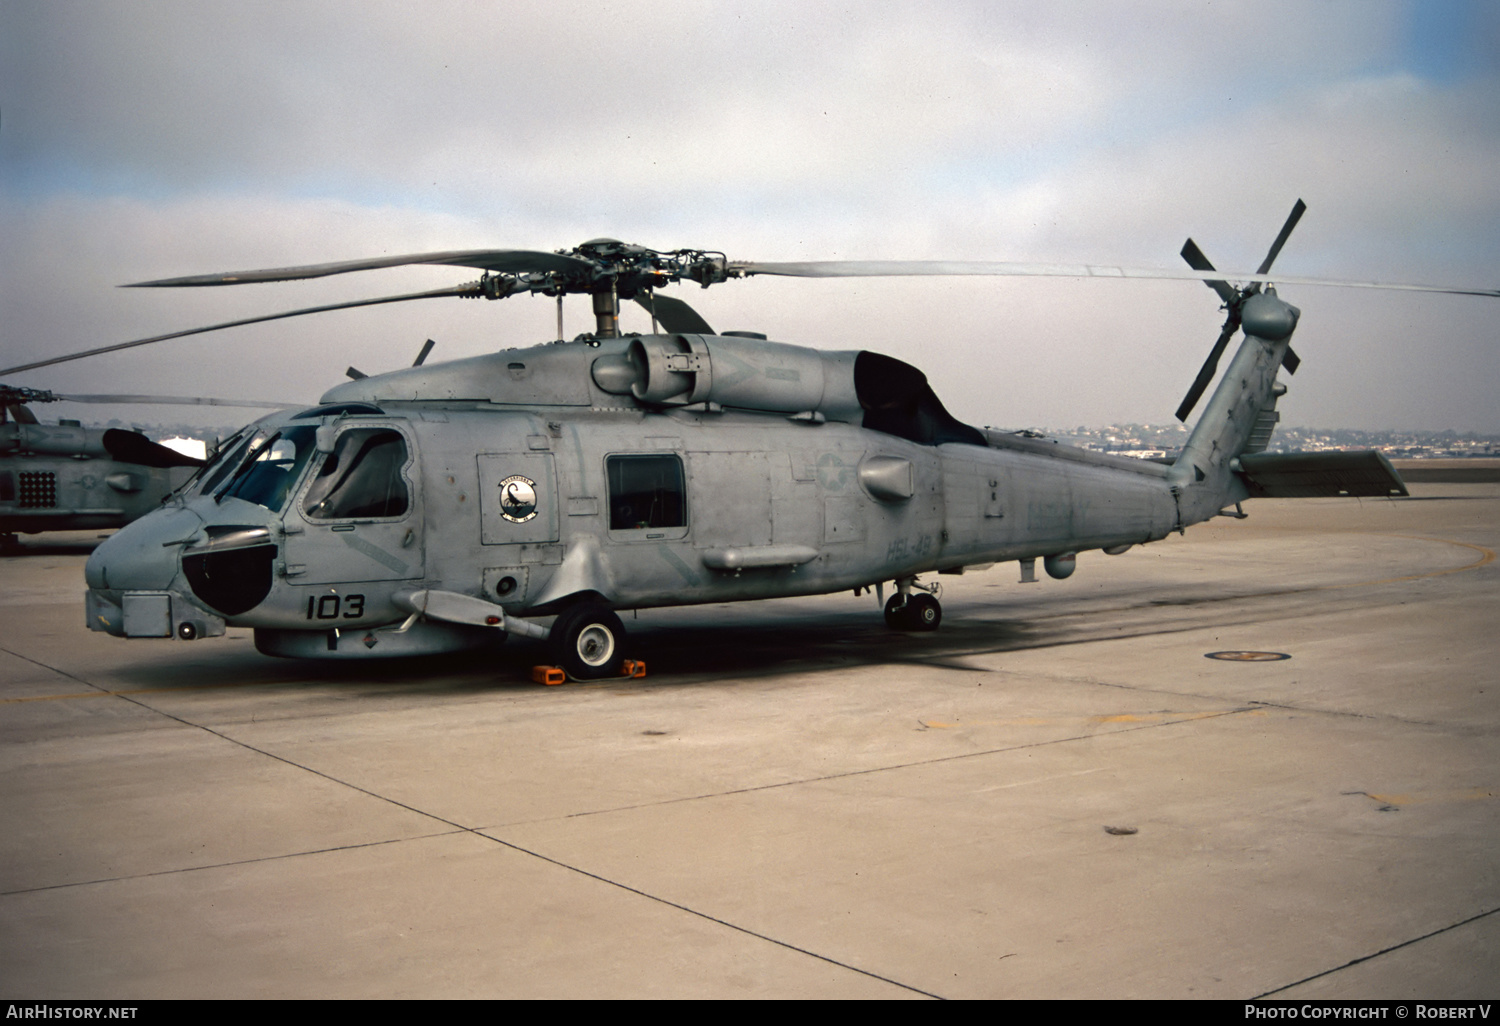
(441, 507)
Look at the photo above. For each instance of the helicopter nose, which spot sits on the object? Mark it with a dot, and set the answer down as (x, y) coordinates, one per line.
(142, 556)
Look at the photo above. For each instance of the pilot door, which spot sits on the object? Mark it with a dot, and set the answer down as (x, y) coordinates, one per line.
(359, 515)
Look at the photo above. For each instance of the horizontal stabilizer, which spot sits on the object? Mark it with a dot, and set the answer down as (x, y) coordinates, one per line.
(1310, 475)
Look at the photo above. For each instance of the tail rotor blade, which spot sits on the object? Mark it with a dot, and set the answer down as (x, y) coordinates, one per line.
(1198, 262)
(1209, 369)
(1286, 230)
(1233, 298)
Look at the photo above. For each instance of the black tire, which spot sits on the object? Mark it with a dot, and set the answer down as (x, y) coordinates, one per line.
(898, 614)
(588, 641)
(923, 612)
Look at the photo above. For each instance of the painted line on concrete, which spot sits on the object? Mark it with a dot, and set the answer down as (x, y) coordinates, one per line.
(1486, 556)
(712, 919)
(1144, 718)
(478, 832)
(132, 691)
(916, 764)
(1382, 951)
(226, 865)
(1469, 794)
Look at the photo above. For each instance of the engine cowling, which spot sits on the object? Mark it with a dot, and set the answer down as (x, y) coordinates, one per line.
(745, 373)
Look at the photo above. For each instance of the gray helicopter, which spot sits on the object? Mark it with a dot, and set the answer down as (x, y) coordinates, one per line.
(67, 477)
(443, 507)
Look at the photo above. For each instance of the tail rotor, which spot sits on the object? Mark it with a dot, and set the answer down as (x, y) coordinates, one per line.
(1234, 302)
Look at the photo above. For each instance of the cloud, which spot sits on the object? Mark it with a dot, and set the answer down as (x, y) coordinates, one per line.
(153, 139)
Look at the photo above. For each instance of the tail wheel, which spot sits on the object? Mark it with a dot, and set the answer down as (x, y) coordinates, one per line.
(588, 641)
(919, 612)
(923, 612)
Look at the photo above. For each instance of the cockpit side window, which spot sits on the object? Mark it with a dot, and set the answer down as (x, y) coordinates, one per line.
(645, 491)
(361, 478)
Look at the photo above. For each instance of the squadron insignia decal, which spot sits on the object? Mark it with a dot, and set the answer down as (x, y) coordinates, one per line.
(518, 499)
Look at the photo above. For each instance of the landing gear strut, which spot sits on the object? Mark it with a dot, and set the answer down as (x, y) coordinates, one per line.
(914, 607)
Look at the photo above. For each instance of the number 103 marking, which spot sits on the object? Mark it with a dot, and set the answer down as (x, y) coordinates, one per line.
(335, 607)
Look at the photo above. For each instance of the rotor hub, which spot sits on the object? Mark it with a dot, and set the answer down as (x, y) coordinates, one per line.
(1265, 315)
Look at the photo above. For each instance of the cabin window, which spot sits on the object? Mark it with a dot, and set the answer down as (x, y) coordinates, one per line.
(645, 492)
(361, 478)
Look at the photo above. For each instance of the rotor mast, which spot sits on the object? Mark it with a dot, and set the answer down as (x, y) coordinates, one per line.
(620, 270)
(607, 313)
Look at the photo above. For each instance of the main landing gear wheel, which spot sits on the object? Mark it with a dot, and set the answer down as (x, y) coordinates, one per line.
(920, 612)
(587, 641)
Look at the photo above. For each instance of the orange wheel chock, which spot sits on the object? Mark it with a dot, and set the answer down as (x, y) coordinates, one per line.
(548, 675)
(633, 668)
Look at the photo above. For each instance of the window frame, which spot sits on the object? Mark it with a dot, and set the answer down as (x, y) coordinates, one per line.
(258, 447)
(312, 473)
(653, 534)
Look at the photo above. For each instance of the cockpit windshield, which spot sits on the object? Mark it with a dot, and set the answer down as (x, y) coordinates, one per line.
(221, 460)
(267, 466)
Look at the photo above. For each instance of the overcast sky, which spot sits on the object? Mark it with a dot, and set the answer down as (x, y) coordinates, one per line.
(142, 140)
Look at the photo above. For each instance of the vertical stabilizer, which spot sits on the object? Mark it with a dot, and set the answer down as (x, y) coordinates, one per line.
(1234, 420)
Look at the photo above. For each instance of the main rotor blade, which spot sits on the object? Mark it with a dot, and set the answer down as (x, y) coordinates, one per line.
(174, 400)
(130, 447)
(469, 290)
(512, 261)
(1291, 222)
(910, 268)
(674, 315)
(1198, 262)
(1209, 369)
